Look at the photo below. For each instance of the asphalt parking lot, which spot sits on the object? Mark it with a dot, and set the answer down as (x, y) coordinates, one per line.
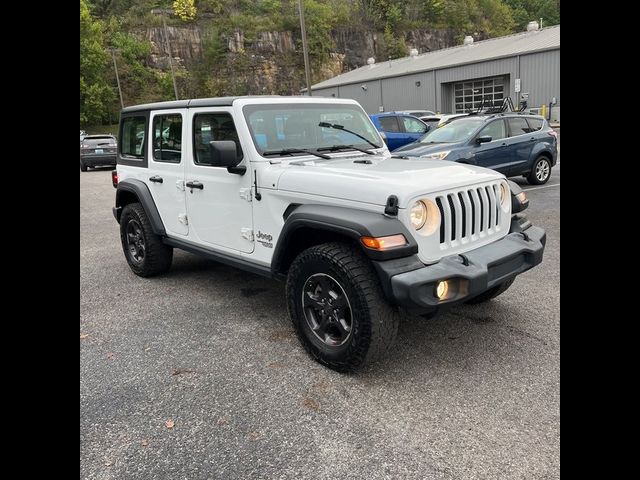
(197, 375)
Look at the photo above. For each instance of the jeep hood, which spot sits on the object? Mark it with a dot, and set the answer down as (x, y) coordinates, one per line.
(342, 178)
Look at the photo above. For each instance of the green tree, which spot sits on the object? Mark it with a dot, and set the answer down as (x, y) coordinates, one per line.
(185, 9)
(525, 11)
(96, 94)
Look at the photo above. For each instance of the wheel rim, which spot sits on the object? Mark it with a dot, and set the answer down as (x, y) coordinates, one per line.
(135, 241)
(327, 310)
(542, 170)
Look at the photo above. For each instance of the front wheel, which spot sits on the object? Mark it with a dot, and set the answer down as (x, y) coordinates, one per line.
(83, 167)
(540, 172)
(337, 307)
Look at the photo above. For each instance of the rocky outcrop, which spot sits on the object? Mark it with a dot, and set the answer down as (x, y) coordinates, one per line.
(270, 62)
(185, 44)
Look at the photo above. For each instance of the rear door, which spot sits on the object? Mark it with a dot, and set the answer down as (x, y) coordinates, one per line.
(165, 175)
(519, 144)
(218, 213)
(395, 137)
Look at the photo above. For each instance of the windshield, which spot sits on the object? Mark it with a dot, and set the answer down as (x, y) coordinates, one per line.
(457, 131)
(275, 128)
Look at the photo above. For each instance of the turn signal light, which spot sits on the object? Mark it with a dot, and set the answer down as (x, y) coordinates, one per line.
(384, 243)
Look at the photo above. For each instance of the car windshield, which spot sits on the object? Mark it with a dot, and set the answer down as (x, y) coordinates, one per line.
(278, 127)
(99, 141)
(457, 131)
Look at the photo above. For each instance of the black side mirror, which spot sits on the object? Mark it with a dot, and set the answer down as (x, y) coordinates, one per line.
(483, 139)
(224, 153)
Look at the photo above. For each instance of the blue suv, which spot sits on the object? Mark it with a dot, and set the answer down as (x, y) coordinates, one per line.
(399, 128)
(513, 144)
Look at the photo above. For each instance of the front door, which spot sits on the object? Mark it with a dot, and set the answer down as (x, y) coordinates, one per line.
(414, 129)
(218, 215)
(167, 160)
(493, 154)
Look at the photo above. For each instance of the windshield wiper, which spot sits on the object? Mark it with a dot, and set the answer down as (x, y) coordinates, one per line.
(334, 148)
(289, 151)
(341, 127)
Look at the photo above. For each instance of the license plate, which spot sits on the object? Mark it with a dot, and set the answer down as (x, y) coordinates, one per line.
(99, 151)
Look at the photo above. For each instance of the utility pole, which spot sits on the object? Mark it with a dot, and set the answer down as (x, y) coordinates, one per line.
(305, 53)
(115, 66)
(166, 36)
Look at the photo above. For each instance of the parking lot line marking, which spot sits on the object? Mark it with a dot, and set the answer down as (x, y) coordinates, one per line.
(544, 186)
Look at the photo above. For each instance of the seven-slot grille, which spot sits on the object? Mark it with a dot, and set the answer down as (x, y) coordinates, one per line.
(469, 214)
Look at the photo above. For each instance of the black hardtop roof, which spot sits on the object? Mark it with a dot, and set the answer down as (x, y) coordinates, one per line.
(195, 102)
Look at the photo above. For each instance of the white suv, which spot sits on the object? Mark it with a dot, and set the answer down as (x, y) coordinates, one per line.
(303, 189)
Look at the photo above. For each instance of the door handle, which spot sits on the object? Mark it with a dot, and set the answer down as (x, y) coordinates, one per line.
(194, 184)
(155, 179)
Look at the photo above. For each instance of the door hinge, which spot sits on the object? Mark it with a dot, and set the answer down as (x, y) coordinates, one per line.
(182, 218)
(245, 193)
(180, 185)
(247, 233)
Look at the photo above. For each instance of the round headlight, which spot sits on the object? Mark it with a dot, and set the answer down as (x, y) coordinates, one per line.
(418, 215)
(504, 193)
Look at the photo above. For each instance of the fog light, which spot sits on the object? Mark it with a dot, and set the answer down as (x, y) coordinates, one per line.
(442, 288)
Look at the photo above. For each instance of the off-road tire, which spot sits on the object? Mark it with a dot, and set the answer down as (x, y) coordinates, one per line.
(374, 322)
(491, 293)
(542, 164)
(157, 256)
(83, 167)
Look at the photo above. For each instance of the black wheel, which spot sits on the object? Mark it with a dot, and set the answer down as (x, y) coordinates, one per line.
(143, 249)
(83, 167)
(491, 293)
(337, 307)
(540, 172)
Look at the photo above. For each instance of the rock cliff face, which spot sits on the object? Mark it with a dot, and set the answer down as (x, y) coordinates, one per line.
(271, 62)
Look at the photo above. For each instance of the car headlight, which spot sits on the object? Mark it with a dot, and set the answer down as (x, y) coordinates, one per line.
(418, 215)
(504, 193)
(438, 155)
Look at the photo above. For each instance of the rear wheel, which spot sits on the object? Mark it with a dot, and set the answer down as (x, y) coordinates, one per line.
(83, 167)
(540, 172)
(337, 307)
(143, 249)
(491, 293)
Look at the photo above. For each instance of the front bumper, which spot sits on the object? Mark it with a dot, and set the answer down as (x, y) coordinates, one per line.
(469, 274)
(98, 160)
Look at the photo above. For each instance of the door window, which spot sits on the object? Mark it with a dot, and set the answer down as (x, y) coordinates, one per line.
(208, 127)
(167, 138)
(535, 124)
(495, 130)
(389, 124)
(411, 125)
(518, 126)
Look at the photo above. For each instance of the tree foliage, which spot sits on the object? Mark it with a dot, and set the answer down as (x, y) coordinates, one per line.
(95, 92)
(185, 10)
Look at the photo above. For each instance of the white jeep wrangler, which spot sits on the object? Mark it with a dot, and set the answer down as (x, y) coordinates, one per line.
(304, 190)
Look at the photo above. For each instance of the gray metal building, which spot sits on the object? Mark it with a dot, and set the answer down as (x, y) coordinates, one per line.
(455, 79)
